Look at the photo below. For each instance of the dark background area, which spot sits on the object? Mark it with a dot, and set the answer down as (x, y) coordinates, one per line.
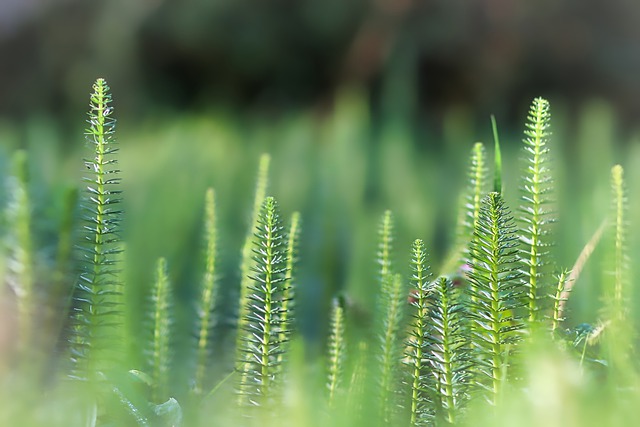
(416, 58)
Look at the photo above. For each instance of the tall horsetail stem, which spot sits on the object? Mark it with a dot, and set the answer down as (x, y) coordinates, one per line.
(266, 332)
(209, 291)
(96, 314)
(247, 262)
(535, 196)
(417, 346)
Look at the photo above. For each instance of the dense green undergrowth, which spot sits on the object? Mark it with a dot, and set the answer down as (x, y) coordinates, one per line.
(100, 328)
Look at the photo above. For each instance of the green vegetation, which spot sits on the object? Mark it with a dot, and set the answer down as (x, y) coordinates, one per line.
(251, 323)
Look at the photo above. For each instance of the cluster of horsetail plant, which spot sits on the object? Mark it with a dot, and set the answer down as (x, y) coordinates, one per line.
(436, 346)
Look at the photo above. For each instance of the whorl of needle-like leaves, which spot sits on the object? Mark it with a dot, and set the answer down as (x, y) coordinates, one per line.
(497, 293)
(448, 353)
(97, 314)
(265, 332)
(535, 216)
(417, 345)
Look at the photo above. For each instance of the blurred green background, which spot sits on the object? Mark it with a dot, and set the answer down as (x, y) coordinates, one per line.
(364, 106)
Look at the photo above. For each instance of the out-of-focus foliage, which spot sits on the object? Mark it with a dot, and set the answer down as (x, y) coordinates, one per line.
(269, 56)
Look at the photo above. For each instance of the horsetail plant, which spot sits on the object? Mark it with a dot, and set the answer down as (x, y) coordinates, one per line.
(288, 296)
(497, 157)
(248, 263)
(417, 346)
(535, 216)
(265, 331)
(96, 316)
(477, 187)
(448, 352)
(469, 210)
(159, 348)
(337, 349)
(577, 268)
(558, 301)
(21, 256)
(618, 334)
(209, 291)
(390, 354)
(385, 246)
(619, 225)
(498, 294)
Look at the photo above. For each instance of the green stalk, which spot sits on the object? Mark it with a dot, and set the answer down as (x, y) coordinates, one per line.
(209, 291)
